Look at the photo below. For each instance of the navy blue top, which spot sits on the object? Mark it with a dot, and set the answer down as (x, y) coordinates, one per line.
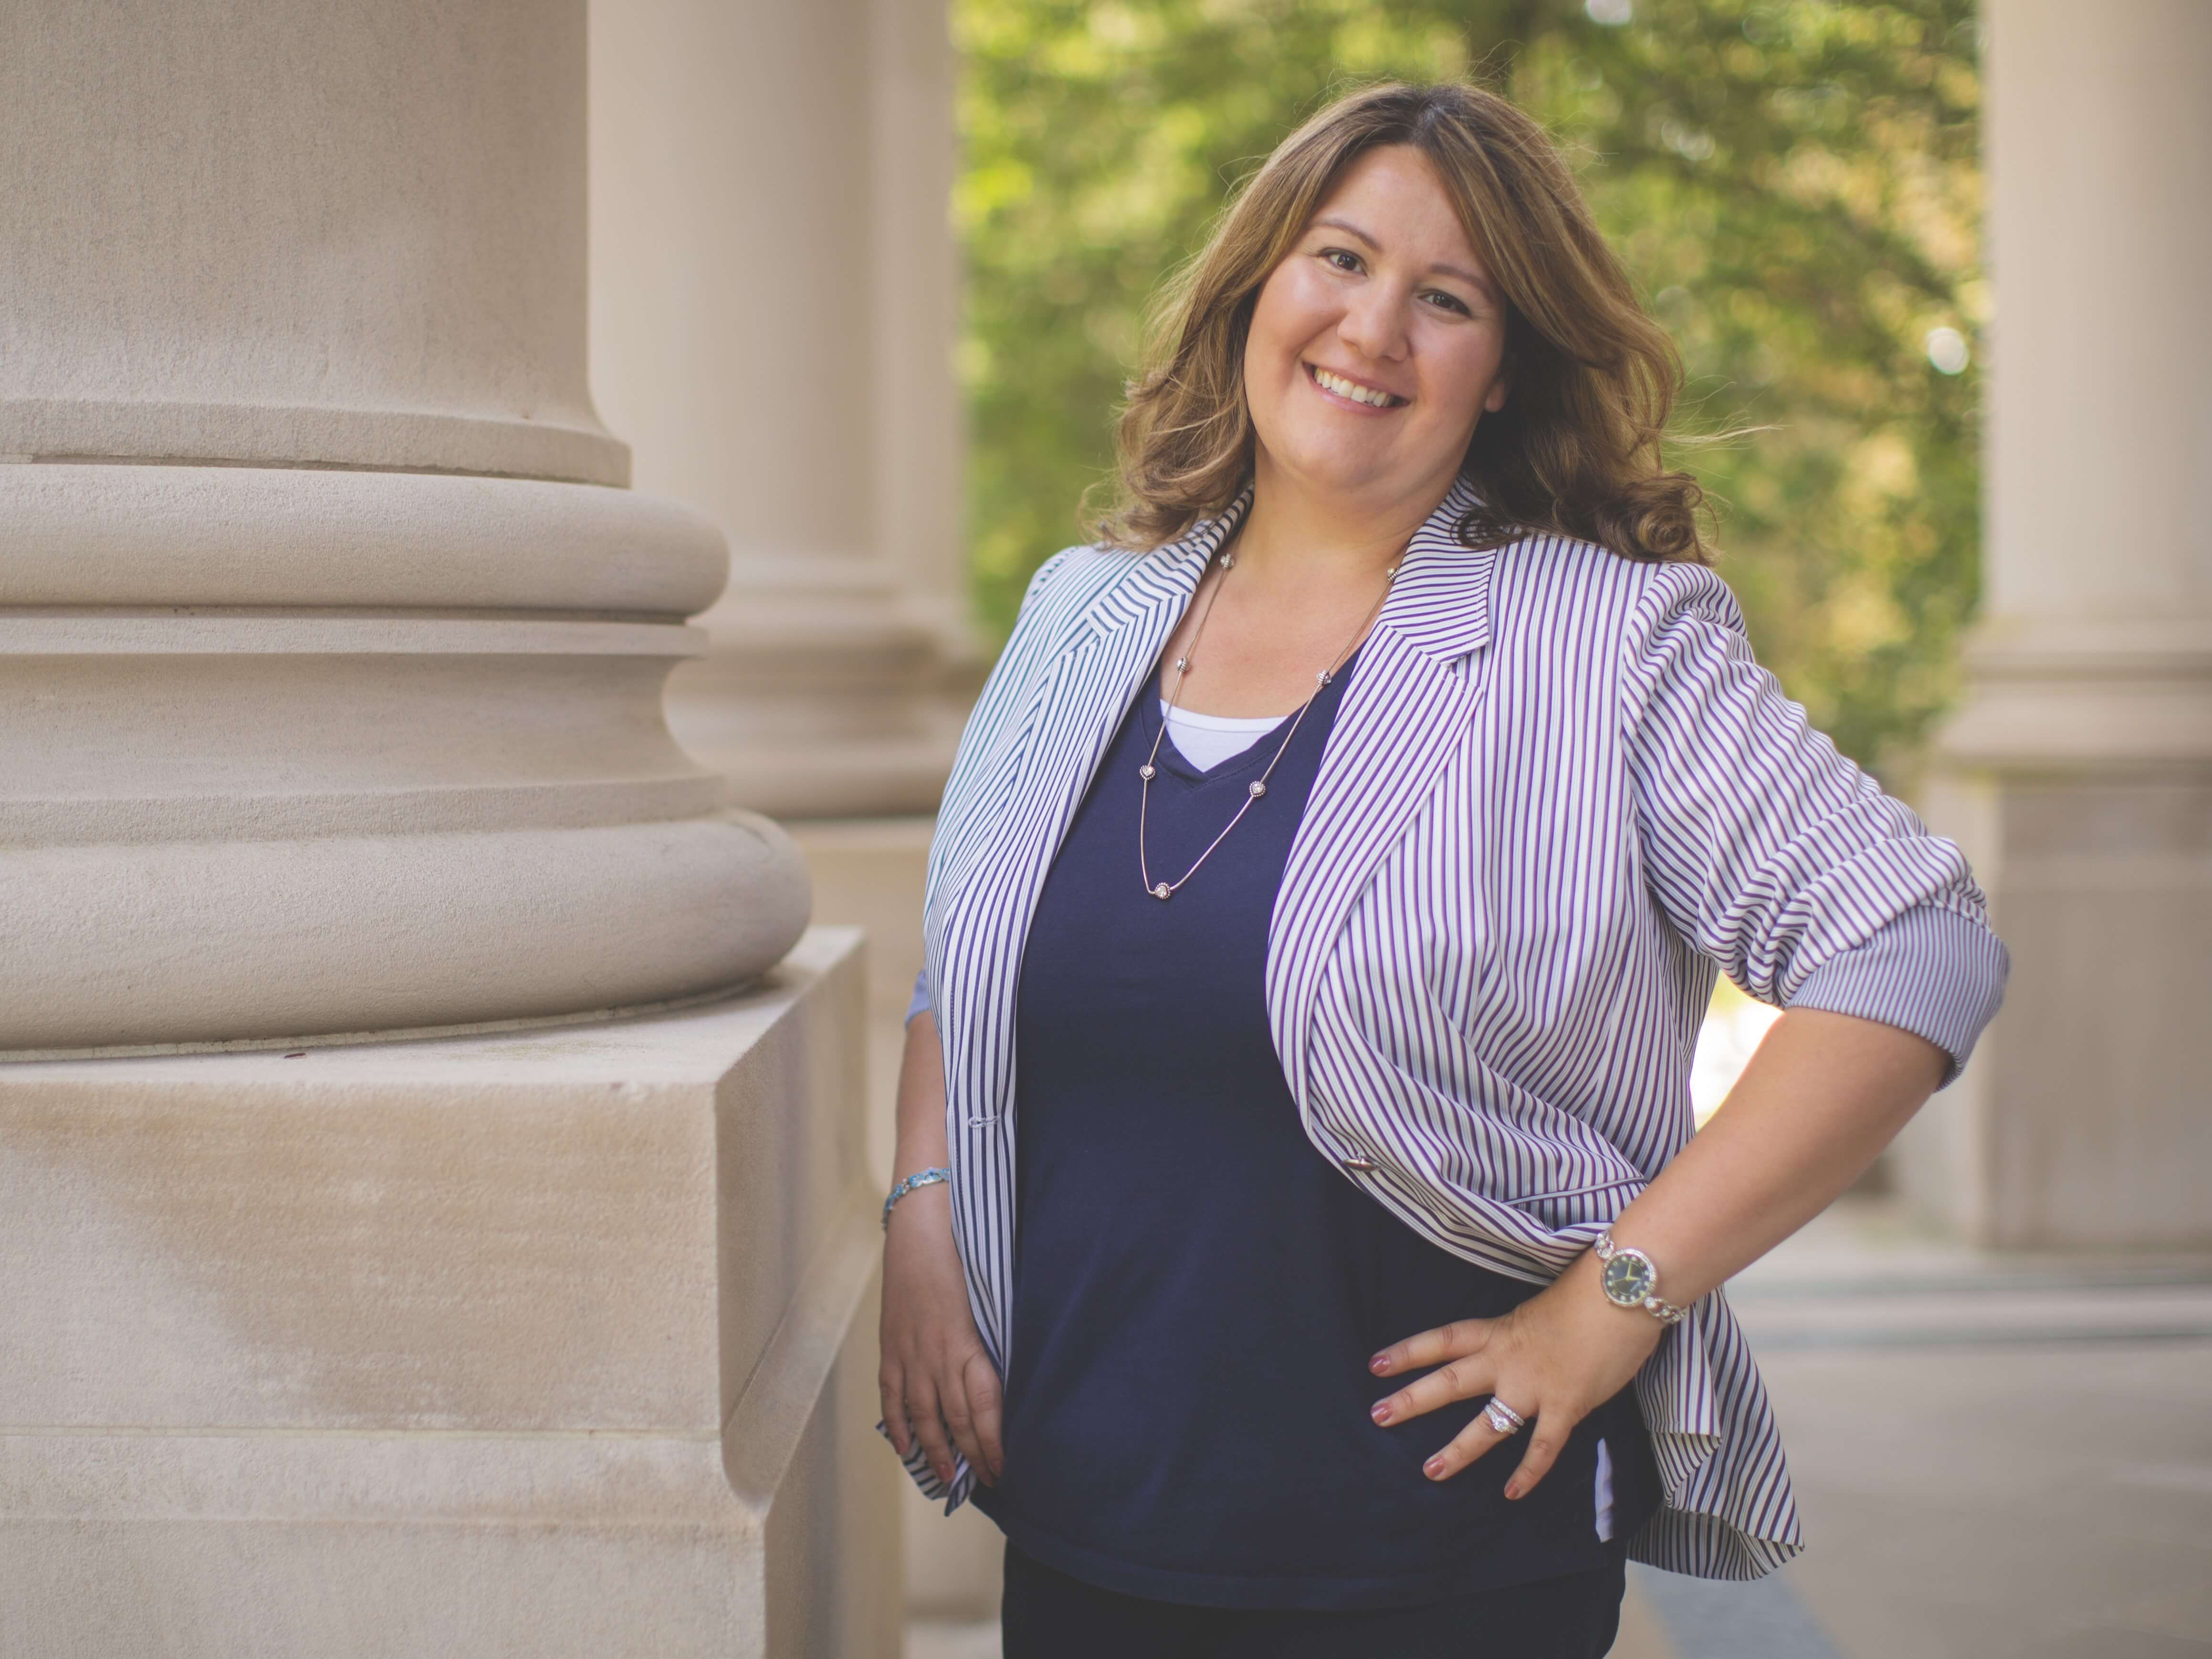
(1197, 1289)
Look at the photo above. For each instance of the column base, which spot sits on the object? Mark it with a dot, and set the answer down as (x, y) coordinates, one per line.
(290, 752)
(547, 1344)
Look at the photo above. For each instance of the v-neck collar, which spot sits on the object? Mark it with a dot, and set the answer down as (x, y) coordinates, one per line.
(1255, 754)
(1262, 748)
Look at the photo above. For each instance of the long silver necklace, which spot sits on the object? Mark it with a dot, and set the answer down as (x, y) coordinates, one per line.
(1258, 787)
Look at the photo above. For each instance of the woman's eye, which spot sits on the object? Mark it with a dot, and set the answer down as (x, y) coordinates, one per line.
(1339, 258)
(1449, 302)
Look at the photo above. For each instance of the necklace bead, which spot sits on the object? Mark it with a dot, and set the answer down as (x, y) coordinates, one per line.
(1258, 789)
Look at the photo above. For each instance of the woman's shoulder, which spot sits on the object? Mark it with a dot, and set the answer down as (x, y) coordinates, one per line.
(1063, 588)
(1564, 589)
(1084, 567)
(1067, 588)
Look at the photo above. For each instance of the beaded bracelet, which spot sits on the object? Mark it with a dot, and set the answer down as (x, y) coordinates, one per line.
(919, 1178)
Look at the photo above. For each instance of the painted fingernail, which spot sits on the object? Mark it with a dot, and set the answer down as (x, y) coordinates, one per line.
(1512, 1489)
(1379, 1411)
(1434, 1469)
(1380, 1364)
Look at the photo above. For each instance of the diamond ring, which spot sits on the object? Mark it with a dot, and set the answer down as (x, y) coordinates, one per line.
(1503, 1417)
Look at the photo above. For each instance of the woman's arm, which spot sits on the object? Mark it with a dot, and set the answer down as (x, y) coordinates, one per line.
(1775, 856)
(938, 1385)
(1825, 1093)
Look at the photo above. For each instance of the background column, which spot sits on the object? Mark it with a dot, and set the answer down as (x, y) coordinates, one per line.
(2078, 771)
(775, 302)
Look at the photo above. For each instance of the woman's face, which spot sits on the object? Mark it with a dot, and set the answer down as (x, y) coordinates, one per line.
(1376, 345)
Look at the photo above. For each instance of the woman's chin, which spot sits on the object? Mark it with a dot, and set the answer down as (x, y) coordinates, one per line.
(1329, 474)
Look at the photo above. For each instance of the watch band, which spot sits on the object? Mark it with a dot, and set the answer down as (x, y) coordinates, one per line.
(1630, 1279)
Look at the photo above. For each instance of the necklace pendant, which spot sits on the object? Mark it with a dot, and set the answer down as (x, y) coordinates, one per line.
(1145, 772)
(1258, 789)
(1162, 891)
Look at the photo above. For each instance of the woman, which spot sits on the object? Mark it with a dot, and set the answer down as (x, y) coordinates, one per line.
(1300, 1246)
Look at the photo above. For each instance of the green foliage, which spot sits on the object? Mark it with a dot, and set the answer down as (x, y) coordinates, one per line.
(1793, 183)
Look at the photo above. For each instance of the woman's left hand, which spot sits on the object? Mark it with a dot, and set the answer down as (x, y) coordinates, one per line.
(1554, 1359)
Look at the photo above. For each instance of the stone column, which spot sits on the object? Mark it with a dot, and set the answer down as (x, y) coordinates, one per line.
(2078, 771)
(331, 647)
(331, 658)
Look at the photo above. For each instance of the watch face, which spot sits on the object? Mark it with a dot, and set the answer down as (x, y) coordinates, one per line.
(1629, 1278)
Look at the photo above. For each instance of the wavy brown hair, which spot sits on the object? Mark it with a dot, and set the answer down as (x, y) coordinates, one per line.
(1592, 377)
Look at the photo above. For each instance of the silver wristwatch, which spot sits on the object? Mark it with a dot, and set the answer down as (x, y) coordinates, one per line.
(1630, 1279)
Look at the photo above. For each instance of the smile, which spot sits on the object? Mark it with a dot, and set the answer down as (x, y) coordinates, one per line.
(1373, 397)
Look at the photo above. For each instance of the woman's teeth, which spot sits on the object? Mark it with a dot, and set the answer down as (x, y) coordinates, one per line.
(1358, 393)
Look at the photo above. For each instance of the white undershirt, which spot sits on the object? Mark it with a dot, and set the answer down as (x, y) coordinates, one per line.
(1207, 741)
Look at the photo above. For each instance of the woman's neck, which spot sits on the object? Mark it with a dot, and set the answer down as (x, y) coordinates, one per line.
(1294, 531)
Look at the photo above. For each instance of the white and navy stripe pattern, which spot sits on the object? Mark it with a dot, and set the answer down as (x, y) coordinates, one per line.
(1559, 795)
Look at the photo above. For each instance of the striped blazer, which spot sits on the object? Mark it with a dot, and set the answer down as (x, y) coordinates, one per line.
(1558, 796)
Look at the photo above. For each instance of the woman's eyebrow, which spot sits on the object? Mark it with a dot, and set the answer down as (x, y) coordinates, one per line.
(1472, 279)
(1350, 229)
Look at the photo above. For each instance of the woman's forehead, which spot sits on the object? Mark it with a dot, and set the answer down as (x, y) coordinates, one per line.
(1391, 200)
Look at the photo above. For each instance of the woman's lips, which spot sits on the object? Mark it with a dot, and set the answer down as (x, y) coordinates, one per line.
(1355, 393)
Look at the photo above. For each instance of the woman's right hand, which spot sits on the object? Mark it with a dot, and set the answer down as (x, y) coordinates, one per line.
(938, 1385)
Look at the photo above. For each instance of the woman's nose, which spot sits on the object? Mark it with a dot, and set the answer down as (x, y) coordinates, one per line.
(1374, 325)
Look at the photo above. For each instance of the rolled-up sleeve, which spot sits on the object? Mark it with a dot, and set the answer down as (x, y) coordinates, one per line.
(1932, 971)
(1774, 854)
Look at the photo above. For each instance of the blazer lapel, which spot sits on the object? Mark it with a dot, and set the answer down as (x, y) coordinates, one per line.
(1410, 707)
(1083, 687)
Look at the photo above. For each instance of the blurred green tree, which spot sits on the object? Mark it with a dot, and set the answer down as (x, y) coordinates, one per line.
(1793, 183)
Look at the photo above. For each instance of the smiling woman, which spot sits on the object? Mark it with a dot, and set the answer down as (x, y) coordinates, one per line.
(1495, 264)
(1355, 1041)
